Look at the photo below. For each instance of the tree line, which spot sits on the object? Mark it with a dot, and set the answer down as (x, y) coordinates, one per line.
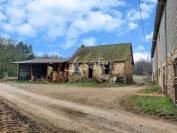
(143, 67)
(10, 52)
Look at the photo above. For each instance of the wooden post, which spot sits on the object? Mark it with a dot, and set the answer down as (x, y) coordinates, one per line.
(18, 68)
(31, 72)
(125, 79)
(46, 72)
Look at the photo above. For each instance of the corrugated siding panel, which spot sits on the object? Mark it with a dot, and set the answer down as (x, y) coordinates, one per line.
(161, 42)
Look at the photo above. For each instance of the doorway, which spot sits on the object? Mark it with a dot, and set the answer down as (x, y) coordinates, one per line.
(175, 79)
(90, 73)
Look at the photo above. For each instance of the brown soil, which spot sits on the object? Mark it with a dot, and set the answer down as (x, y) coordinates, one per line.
(11, 121)
(87, 110)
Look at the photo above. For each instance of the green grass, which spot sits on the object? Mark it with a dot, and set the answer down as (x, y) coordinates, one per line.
(151, 89)
(92, 83)
(161, 106)
(151, 104)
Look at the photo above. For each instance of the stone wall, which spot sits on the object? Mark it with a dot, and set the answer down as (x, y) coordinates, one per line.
(172, 55)
(84, 68)
(170, 82)
(119, 69)
(129, 68)
(97, 71)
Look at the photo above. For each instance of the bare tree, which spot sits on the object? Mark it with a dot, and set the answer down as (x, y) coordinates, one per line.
(143, 67)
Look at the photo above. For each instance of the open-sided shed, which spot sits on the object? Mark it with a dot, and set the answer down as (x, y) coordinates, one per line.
(46, 69)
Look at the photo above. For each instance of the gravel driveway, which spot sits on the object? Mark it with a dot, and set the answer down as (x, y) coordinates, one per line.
(85, 110)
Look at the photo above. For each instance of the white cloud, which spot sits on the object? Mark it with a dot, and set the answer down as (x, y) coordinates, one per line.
(55, 18)
(4, 35)
(68, 44)
(50, 53)
(89, 41)
(26, 29)
(7, 27)
(138, 56)
(140, 48)
(94, 21)
(132, 26)
(146, 10)
(2, 17)
(68, 19)
(151, 1)
(149, 37)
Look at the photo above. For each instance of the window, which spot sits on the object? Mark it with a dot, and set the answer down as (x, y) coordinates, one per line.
(175, 68)
(106, 69)
(76, 67)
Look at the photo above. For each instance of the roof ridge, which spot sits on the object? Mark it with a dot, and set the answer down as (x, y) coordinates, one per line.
(113, 44)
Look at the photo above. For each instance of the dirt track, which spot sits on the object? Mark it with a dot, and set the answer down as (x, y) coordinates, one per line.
(80, 110)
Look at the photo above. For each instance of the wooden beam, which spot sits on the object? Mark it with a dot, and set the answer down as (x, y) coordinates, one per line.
(18, 68)
(46, 72)
(31, 72)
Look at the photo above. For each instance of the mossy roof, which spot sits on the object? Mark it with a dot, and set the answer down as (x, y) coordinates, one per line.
(112, 52)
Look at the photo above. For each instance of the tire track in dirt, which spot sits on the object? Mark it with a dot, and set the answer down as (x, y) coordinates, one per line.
(110, 121)
(11, 121)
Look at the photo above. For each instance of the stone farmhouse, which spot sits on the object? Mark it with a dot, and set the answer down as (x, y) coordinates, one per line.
(164, 47)
(109, 63)
(102, 63)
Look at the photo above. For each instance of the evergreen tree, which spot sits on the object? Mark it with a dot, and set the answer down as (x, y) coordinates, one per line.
(10, 52)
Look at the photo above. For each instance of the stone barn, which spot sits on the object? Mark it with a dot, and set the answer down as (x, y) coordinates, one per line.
(55, 70)
(164, 47)
(102, 63)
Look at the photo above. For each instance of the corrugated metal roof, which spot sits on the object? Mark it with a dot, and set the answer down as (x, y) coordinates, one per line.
(101, 53)
(40, 61)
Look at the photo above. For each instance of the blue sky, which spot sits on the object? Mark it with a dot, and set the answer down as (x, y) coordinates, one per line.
(61, 26)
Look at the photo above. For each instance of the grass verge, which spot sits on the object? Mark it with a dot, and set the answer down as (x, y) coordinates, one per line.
(93, 83)
(156, 106)
(150, 90)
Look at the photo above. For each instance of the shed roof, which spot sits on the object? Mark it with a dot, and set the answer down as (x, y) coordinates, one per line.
(159, 13)
(42, 61)
(111, 52)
